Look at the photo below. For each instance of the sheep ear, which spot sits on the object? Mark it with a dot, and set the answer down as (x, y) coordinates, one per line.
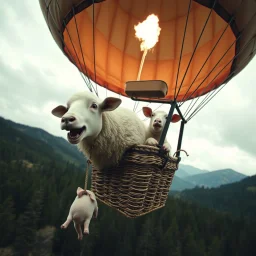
(175, 118)
(110, 104)
(147, 111)
(59, 111)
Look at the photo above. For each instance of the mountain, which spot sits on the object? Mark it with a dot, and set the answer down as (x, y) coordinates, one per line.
(178, 184)
(215, 178)
(187, 177)
(188, 170)
(18, 133)
(238, 198)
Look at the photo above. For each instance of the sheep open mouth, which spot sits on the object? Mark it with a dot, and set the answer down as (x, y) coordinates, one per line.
(74, 135)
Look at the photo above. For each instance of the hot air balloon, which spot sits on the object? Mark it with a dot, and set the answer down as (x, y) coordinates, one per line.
(198, 46)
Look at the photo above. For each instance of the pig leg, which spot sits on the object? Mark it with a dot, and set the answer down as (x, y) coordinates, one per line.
(95, 213)
(66, 223)
(78, 231)
(86, 226)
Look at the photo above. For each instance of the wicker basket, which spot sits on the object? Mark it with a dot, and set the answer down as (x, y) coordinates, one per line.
(139, 184)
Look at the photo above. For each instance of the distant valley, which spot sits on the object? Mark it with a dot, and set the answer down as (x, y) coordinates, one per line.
(187, 177)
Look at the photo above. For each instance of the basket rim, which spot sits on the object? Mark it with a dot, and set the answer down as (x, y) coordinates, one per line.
(154, 149)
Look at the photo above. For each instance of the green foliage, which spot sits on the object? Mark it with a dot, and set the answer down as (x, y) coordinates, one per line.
(27, 225)
(7, 221)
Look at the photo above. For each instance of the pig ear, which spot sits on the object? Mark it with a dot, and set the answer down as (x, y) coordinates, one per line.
(147, 111)
(79, 190)
(110, 104)
(59, 111)
(91, 195)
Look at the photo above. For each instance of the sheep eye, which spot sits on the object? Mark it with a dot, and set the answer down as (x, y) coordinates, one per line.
(94, 105)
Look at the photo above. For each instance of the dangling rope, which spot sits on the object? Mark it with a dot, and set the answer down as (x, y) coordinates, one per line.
(86, 173)
(180, 151)
(89, 163)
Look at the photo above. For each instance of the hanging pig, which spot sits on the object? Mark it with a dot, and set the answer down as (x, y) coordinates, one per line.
(81, 211)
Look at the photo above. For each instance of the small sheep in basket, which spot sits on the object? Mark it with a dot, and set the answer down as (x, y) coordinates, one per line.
(156, 125)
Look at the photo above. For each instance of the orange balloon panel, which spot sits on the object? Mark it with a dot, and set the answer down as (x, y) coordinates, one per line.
(100, 40)
(117, 50)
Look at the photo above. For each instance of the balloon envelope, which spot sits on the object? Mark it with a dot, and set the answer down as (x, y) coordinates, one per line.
(100, 40)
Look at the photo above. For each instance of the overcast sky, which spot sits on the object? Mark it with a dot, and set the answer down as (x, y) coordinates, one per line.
(35, 77)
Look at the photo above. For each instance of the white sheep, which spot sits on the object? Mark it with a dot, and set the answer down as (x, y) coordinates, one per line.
(102, 131)
(155, 128)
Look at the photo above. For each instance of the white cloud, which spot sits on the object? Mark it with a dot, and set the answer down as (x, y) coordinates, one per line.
(35, 76)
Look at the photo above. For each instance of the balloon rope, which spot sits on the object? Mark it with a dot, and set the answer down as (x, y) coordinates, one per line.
(209, 97)
(231, 74)
(68, 54)
(185, 97)
(86, 173)
(142, 63)
(190, 61)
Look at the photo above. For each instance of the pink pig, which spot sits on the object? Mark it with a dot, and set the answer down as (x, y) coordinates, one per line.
(81, 211)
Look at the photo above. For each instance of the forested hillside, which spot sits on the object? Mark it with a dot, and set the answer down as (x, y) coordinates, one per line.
(237, 198)
(33, 138)
(38, 186)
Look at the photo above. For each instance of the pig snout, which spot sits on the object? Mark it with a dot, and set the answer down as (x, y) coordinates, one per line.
(157, 121)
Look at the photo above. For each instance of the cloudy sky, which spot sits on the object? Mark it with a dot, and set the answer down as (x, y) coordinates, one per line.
(35, 77)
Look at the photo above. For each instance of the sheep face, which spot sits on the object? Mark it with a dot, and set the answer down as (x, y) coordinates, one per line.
(157, 121)
(83, 115)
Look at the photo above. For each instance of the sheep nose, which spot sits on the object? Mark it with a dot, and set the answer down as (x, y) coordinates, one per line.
(69, 119)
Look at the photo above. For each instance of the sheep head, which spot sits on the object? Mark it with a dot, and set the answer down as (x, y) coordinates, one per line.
(82, 117)
(157, 119)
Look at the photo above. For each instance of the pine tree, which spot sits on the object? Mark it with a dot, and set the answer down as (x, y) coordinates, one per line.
(215, 247)
(7, 222)
(27, 225)
(170, 244)
(190, 246)
(146, 242)
(126, 245)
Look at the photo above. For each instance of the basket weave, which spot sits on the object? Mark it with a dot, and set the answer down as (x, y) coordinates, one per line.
(139, 184)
